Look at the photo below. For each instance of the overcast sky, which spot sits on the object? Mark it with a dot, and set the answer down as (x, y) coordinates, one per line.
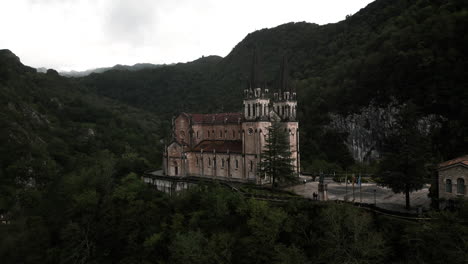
(84, 34)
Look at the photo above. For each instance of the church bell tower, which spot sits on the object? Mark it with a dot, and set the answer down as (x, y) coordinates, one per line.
(256, 95)
(284, 99)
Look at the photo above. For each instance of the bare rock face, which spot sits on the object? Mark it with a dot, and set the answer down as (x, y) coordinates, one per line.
(366, 130)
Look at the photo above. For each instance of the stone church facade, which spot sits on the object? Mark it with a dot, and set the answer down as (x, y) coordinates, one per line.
(229, 146)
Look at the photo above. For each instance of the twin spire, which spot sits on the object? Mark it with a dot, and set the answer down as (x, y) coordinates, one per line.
(282, 82)
(260, 105)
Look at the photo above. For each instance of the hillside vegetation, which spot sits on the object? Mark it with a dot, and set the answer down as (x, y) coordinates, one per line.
(391, 52)
(72, 149)
(50, 128)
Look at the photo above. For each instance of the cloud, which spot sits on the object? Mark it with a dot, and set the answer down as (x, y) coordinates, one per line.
(83, 34)
(130, 21)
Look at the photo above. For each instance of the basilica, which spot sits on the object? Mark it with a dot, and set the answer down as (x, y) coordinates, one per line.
(229, 146)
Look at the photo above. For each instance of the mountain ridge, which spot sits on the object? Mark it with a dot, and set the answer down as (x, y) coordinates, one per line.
(389, 51)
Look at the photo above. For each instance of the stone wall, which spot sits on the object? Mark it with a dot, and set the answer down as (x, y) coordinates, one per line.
(292, 129)
(452, 173)
(181, 129)
(173, 163)
(168, 185)
(215, 132)
(254, 136)
(215, 165)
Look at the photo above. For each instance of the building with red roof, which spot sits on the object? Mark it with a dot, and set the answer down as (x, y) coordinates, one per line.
(229, 145)
(453, 176)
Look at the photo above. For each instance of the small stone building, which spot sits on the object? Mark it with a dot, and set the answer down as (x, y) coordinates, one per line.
(228, 146)
(453, 177)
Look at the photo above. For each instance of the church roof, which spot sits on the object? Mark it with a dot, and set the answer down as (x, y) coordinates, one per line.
(222, 118)
(220, 146)
(460, 160)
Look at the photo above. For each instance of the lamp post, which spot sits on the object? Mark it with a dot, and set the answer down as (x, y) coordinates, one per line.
(346, 187)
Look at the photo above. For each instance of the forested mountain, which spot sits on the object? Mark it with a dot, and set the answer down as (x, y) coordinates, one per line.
(386, 55)
(352, 77)
(50, 128)
(72, 148)
(135, 67)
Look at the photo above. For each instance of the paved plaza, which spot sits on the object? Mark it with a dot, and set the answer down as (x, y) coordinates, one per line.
(368, 193)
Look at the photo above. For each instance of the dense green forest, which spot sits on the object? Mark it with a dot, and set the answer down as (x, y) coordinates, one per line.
(95, 218)
(50, 128)
(390, 51)
(72, 149)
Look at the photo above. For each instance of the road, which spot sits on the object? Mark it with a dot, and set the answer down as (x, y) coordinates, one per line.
(384, 197)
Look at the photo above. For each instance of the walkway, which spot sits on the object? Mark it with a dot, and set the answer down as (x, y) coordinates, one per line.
(384, 197)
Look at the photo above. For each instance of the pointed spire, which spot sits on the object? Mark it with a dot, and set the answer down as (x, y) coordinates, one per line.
(292, 88)
(255, 74)
(284, 76)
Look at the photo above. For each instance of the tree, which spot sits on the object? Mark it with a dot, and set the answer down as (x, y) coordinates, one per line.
(440, 239)
(403, 167)
(276, 160)
(349, 236)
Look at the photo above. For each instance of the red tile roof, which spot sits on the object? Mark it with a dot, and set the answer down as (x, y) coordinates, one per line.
(222, 118)
(220, 146)
(460, 160)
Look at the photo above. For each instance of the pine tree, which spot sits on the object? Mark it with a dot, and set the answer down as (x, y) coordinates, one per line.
(403, 167)
(276, 162)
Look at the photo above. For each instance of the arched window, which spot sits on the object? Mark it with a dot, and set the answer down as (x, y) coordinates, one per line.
(220, 133)
(237, 164)
(208, 133)
(209, 162)
(222, 163)
(214, 162)
(448, 185)
(248, 109)
(251, 165)
(460, 186)
(198, 136)
(197, 161)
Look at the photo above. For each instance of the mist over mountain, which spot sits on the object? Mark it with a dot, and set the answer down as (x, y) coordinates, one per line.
(135, 67)
(384, 56)
(73, 149)
(388, 54)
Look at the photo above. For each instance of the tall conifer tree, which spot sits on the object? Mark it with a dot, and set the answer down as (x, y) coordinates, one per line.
(276, 160)
(403, 167)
